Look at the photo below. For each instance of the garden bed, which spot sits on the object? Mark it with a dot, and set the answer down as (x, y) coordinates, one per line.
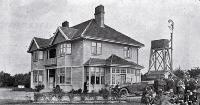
(50, 97)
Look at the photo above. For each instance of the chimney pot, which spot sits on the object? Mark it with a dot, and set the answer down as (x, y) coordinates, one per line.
(65, 24)
(99, 15)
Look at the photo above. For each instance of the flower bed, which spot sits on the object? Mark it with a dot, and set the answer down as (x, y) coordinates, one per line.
(77, 96)
(50, 97)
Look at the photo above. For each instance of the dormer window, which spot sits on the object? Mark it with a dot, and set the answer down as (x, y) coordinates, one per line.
(65, 48)
(96, 48)
(127, 52)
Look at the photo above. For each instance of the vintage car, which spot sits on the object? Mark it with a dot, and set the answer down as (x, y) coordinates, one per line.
(134, 89)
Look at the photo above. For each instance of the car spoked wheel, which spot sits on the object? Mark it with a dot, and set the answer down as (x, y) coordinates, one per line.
(123, 93)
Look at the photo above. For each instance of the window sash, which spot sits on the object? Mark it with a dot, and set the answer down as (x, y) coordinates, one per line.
(68, 75)
(61, 75)
(128, 71)
(123, 70)
(65, 48)
(62, 79)
(137, 72)
(113, 78)
(96, 48)
(68, 48)
(99, 48)
(35, 56)
(97, 75)
(117, 70)
(127, 52)
(38, 76)
(132, 71)
(40, 55)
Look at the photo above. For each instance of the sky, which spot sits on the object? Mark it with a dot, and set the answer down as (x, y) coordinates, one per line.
(143, 20)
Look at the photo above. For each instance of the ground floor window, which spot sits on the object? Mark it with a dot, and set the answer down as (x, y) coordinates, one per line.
(64, 75)
(97, 75)
(68, 75)
(38, 76)
(121, 75)
(61, 75)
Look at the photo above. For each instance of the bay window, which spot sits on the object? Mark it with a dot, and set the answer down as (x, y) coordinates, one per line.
(97, 75)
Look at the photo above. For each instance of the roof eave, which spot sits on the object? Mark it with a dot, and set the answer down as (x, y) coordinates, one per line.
(33, 41)
(113, 41)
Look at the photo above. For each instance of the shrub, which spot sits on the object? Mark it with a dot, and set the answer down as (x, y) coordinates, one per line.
(83, 96)
(93, 95)
(39, 87)
(71, 96)
(37, 96)
(58, 92)
(104, 93)
(79, 91)
(57, 89)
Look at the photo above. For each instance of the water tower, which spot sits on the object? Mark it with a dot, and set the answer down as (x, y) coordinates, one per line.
(160, 61)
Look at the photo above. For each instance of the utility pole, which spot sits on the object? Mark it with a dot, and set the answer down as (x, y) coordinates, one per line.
(171, 27)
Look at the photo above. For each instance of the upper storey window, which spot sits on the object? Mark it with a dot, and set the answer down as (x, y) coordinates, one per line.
(127, 52)
(37, 55)
(96, 48)
(65, 48)
(40, 54)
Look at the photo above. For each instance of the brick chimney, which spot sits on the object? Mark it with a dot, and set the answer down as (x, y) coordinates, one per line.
(99, 15)
(65, 24)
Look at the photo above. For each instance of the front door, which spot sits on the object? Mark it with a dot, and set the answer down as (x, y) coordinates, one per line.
(52, 78)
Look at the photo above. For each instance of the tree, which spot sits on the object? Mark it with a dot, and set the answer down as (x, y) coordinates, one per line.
(194, 72)
(179, 73)
(22, 79)
(5, 79)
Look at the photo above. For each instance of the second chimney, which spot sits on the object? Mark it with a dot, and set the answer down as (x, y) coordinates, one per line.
(65, 24)
(99, 15)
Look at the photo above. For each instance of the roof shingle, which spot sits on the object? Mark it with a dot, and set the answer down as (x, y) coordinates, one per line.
(91, 30)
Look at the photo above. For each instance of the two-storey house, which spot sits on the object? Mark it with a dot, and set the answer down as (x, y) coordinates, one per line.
(89, 56)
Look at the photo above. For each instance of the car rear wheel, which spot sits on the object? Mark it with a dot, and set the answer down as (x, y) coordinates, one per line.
(124, 93)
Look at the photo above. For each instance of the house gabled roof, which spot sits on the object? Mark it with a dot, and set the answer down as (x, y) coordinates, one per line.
(67, 33)
(88, 30)
(40, 43)
(113, 60)
(91, 30)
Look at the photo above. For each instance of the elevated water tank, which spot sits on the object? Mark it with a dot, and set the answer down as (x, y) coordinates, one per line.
(160, 44)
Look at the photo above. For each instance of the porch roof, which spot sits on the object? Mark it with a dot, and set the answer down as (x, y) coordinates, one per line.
(113, 60)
